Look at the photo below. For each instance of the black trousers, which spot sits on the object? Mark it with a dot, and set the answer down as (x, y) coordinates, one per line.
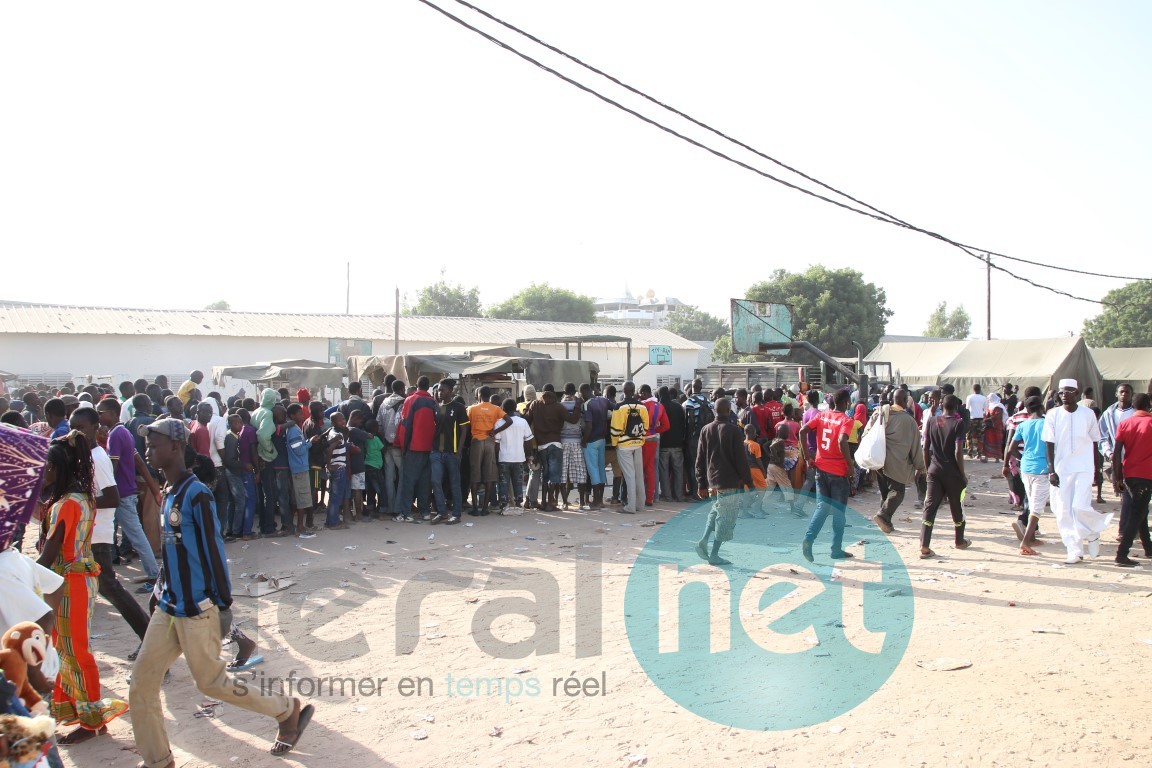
(1134, 518)
(945, 485)
(113, 591)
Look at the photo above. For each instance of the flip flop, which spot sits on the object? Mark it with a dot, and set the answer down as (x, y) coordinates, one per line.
(1028, 551)
(239, 665)
(281, 747)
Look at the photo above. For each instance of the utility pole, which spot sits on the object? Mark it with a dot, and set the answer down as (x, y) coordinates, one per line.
(348, 288)
(396, 325)
(988, 270)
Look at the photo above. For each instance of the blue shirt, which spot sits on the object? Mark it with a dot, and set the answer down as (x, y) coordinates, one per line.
(1034, 452)
(297, 450)
(61, 429)
(195, 575)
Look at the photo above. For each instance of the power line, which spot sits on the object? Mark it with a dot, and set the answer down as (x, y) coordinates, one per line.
(1067, 269)
(757, 152)
(674, 110)
(883, 217)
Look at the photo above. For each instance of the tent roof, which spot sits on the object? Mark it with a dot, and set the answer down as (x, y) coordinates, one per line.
(481, 352)
(918, 363)
(308, 373)
(1024, 362)
(1130, 364)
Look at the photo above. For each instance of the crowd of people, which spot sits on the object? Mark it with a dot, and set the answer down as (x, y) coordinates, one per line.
(144, 471)
(1054, 452)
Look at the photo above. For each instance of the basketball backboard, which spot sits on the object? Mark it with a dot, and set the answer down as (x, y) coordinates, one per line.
(659, 354)
(756, 323)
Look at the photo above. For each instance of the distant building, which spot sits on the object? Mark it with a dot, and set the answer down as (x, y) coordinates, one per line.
(648, 310)
(55, 344)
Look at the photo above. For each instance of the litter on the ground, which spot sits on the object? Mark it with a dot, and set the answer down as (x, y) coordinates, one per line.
(943, 664)
(264, 585)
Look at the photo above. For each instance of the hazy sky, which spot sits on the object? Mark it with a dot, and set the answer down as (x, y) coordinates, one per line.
(168, 155)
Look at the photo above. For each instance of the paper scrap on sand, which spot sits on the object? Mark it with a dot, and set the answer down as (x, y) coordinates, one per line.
(943, 664)
(266, 586)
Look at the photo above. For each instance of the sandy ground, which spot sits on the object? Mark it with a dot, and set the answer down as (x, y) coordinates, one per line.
(1076, 694)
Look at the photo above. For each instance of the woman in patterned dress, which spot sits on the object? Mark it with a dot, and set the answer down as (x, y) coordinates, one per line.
(67, 550)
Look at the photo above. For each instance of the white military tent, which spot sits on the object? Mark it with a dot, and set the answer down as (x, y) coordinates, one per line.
(916, 363)
(991, 364)
(1131, 365)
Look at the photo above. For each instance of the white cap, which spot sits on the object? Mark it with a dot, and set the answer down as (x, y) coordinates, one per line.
(1068, 384)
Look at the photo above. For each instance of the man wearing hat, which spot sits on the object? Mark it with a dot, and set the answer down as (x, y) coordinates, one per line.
(1009, 399)
(1071, 433)
(193, 591)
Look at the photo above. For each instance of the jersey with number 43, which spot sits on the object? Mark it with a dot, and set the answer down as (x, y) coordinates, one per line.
(828, 426)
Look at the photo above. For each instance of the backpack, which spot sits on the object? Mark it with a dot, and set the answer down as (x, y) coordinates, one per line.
(698, 413)
(634, 428)
(390, 422)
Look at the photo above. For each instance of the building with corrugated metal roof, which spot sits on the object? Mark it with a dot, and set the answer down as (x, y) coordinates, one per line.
(41, 342)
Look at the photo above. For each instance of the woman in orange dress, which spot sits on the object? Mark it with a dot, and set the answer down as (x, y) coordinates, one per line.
(67, 550)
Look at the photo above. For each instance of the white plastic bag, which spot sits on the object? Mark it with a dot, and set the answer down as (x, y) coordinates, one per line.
(871, 452)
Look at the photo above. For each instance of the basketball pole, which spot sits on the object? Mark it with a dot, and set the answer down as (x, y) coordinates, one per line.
(861, 378)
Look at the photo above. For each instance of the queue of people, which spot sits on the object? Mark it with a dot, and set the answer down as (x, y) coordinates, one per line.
(184, 474)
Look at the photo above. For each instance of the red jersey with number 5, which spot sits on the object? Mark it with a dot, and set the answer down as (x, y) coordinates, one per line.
(828, 426)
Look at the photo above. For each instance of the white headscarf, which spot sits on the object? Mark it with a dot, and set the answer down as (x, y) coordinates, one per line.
(994, 402)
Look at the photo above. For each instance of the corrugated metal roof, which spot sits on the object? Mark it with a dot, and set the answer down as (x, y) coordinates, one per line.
(45, 318)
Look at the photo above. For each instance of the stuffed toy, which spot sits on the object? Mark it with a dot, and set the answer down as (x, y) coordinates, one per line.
(23, 645)
(27, 739)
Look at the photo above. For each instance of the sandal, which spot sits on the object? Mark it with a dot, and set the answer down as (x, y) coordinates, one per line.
(927, 555)
(81, 734)
(282, 747)
(240, 664)
(1024, 550)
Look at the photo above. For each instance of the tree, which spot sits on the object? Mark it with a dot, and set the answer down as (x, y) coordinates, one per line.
(943, 324)
(694, 324)
(722, 352)
(443, 300)
(219, 306)
(830, 308)
(1126, 320)
(543, 302)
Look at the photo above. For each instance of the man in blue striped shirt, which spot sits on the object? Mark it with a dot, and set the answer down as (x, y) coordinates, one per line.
(192, 591)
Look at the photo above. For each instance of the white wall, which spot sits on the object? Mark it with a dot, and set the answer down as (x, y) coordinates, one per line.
(130, 357)
(123, 357)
